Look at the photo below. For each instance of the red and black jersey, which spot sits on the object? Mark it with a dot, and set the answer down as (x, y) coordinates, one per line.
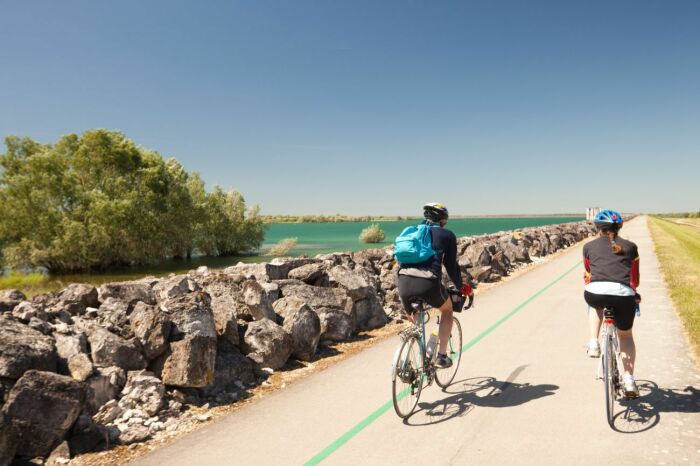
(603, 265)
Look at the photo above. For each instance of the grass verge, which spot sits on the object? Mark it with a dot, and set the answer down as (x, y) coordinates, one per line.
(678, 250)
(30, 284)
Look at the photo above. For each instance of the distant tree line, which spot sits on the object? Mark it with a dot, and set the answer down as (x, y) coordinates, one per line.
(96, 201)
(681, 215)
(326, 218)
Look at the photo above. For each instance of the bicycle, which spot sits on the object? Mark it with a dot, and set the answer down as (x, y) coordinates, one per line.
(412, 368)
(610, 362)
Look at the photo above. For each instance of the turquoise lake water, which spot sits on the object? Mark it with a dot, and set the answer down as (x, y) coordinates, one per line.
(316, 238)
(313, 238)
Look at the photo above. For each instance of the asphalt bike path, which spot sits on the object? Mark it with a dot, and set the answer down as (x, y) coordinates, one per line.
(525, 392)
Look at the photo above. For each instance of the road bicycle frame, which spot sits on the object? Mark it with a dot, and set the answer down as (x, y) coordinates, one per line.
(608, 330)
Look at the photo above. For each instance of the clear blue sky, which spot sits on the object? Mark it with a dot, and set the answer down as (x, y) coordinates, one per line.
(375, 107)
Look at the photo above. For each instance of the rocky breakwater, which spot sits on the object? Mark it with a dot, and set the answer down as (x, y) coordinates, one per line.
(86, 368)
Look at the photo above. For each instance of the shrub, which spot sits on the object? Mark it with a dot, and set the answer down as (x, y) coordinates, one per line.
(283, 248)
(372, 234)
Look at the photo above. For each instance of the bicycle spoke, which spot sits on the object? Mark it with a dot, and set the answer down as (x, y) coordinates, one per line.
(443, 377)
(407, 374)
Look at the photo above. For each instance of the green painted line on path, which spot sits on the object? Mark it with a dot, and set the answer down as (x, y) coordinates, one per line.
(360, 426)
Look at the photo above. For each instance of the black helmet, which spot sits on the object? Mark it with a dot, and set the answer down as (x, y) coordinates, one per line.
(435, 212)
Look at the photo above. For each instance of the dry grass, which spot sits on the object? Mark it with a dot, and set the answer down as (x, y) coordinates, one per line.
(282, 248)
(30, 284)
(678, 250)
(372, 234)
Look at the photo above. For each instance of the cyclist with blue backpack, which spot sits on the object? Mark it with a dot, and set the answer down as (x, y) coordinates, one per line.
(421, 252)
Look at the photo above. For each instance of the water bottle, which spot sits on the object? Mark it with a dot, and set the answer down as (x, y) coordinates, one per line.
(432, 345)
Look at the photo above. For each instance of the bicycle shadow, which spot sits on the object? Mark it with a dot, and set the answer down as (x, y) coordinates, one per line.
(644, 413)
(477, 391)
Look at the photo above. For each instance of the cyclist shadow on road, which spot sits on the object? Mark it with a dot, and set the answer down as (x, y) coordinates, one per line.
(644, 413)
(469, 393)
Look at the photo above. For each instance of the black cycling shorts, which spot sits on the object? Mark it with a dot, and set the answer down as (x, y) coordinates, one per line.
(430, 290)
(625, 307)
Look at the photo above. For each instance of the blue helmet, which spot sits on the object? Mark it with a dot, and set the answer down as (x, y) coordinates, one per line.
(608, 217)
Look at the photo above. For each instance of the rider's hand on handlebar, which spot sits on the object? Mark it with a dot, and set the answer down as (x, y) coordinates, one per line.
(466, 290)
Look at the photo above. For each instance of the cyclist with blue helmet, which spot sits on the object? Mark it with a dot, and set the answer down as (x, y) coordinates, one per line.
(612, 277)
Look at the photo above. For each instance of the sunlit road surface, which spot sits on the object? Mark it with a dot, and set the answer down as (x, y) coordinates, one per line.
(525, 392)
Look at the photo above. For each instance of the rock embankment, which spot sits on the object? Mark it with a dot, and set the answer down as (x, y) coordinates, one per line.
(87, 368)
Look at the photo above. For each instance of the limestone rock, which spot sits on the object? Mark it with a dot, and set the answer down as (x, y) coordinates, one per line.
(369, 313)
(42, 407)
(104, 385)
(5, 387)
(277, 269)
(23, 348)
(113, 315)
(258, 301)
(152, 329)
(130, 292)
(482, 273)
(82, 293)
(87, 436)
(249, 271)
(134, 434)
(370, 255)
(336, 324)
(304, 326)
(9, 299)
(143, 391)
(387, 279)
(108, 412)
(190, 362)
(8, 441)
(316, 296)
(67, 346)
(190, 314)
(226, 302)
(59, 456)
(308, 273)
(174, 287)
(288, 306)
(108, 349)
(80, 367)
(26, 310)
(232, 369)
(354, 283)
(267, 343)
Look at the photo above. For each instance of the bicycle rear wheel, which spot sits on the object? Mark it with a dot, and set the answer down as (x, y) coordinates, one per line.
(407, 376)
(444, 377)
(609, 374)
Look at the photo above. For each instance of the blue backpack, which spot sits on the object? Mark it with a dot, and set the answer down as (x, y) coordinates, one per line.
(414, 245)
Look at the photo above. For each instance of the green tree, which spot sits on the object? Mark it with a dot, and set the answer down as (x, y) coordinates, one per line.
(98, 200)
(228, 231)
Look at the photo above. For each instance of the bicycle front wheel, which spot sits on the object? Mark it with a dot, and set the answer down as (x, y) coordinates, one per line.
(444, 377)
(407, 376)
(609, 374)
